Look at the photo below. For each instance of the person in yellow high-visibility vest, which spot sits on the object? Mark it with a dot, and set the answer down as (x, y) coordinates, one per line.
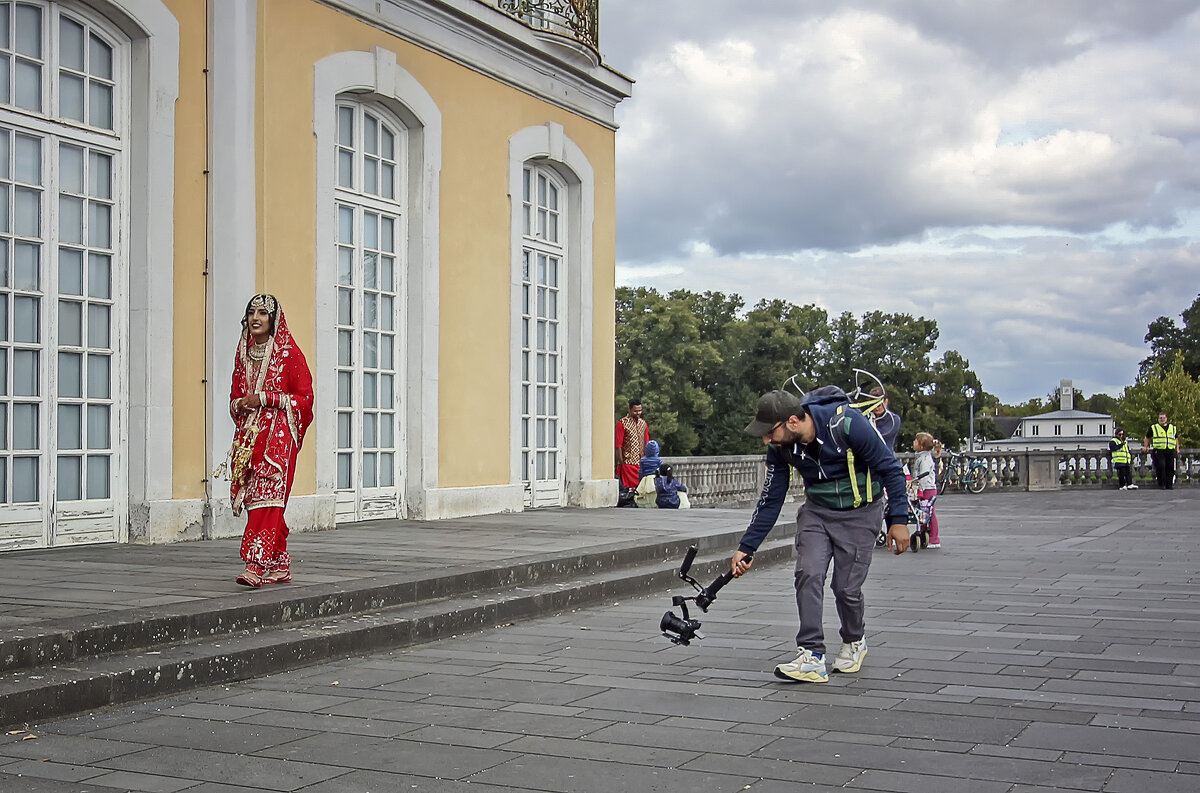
(1122, 460)
(1163, 442)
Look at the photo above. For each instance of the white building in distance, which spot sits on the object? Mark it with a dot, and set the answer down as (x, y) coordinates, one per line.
(1065, 428)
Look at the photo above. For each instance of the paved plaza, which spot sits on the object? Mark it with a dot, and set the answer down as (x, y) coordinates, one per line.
(1051, 645)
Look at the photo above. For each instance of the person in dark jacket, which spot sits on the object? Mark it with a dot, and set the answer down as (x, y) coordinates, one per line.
(843, 462)
(648, 465)
(668, 488)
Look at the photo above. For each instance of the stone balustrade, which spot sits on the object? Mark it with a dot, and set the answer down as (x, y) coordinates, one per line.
(738, 479)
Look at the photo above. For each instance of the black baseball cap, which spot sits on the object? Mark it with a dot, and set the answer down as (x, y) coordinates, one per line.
(773, 407)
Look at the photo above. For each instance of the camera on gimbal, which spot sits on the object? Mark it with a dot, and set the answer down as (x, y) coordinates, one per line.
(681, 630)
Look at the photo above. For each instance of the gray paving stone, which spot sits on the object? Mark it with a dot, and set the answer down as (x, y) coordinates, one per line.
(231, 769)
(568, 775)
(1107, 740)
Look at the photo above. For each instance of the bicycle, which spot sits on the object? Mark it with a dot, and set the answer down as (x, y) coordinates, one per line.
(963, 472)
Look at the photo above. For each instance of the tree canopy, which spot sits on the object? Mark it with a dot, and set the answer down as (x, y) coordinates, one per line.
(699, 362)
(1168, 340)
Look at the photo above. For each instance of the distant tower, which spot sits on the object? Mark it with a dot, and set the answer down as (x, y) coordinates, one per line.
(1066, 395)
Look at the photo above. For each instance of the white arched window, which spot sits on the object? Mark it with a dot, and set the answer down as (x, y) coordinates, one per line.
(370, 178)
(63, 405)
(543, 323)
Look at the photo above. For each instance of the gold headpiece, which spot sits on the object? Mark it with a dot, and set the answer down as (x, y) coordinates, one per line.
(264, 301)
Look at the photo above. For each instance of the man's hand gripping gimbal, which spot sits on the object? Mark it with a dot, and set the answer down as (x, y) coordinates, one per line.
(681, 630)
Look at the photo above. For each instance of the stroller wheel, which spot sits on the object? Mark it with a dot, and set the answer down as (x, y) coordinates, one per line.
(915, 542)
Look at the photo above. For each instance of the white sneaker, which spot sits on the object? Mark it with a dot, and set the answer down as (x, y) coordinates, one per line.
(934, 546)
(807, 668)
(850, 657)
(1133, 487)
(1123, 487)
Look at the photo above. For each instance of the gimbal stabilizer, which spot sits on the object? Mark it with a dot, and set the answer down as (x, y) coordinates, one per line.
(681, 630)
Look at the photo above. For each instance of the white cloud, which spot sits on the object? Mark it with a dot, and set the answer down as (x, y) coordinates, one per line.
(1028, 178)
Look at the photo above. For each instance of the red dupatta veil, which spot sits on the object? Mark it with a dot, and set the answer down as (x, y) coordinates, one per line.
(285, 382)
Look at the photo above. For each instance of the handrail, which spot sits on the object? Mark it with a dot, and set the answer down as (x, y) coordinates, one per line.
(576, 19)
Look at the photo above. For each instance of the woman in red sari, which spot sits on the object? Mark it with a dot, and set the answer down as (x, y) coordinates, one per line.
(271, 403)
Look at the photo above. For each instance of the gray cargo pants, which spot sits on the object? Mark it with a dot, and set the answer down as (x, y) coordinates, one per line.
(848, 538)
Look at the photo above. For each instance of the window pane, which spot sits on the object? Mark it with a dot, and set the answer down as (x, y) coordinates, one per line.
(386, 352)
(102, 59)
(70, 169)
(370, 271)
(5, 43)
(3, 374)
(371, 231)
(70, 323)
(345, 265)
(4, 143)
(97, 477)
(370, 311)
(27, 212)
(70, 480)
(24, 480)
(385, 392)
(370, 176)
(99, 333)
(387, 266)
(99, 374)
(24, 373)
(26, 322)
(4, 203)
(70, 219)
(28, 93)
(387, 473)
(3, 430)
(99, 275)
(387, 430)
(345, 225)
(100, 106)
(368, 474)
(345, 169)
(99, 225)
(3, 326)
(346, 127)
(371, 350)
(343, 471)
(70, 272)
(370, 435)
(27, 274)
(387, 181)
(70, 96)
(27, 160)
(99, 175)
(5, 69)
(387, 235)
(370, 134)
(343, 430)
(345, 348)
(386, 313)
(29, 30)
(98, 427)
(25, 426)
(345, 390)
(389, 144)
(369, 390)
(70, 426)
(345, 315)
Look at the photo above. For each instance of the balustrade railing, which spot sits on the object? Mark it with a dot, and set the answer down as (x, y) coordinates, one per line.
(575, 19)
(738, 479)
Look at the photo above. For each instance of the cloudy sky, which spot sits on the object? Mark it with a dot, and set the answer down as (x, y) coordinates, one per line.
(1027, 173)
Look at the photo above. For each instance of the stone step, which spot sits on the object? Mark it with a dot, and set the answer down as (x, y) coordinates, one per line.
(260, 646)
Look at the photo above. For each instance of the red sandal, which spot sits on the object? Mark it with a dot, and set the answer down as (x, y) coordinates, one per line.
(278, 577)
(250, 578)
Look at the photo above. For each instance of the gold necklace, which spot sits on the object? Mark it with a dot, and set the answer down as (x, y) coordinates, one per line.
(257, 351)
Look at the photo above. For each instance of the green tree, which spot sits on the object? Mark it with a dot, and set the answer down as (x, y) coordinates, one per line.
(1168, 340)
(662, 360)
(1173, 392)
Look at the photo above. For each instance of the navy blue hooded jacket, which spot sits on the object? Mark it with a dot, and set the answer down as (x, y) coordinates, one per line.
(824, 460)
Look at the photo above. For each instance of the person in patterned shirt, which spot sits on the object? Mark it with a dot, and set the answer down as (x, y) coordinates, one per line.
(633, 433)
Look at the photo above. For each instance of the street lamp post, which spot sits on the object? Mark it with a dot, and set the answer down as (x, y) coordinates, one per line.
(970, 393)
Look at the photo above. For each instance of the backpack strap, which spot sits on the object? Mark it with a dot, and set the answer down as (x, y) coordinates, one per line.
(858, 496)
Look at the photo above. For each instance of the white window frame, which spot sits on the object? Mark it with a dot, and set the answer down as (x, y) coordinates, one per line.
(378, 76)
(549, 145)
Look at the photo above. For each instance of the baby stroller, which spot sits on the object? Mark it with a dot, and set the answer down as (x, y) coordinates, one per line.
(920, 512)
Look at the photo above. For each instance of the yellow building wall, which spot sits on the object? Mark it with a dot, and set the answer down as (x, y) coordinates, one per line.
(191, 243)
(479, 115)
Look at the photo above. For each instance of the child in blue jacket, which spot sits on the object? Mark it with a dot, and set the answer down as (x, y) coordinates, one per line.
(668, 489)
